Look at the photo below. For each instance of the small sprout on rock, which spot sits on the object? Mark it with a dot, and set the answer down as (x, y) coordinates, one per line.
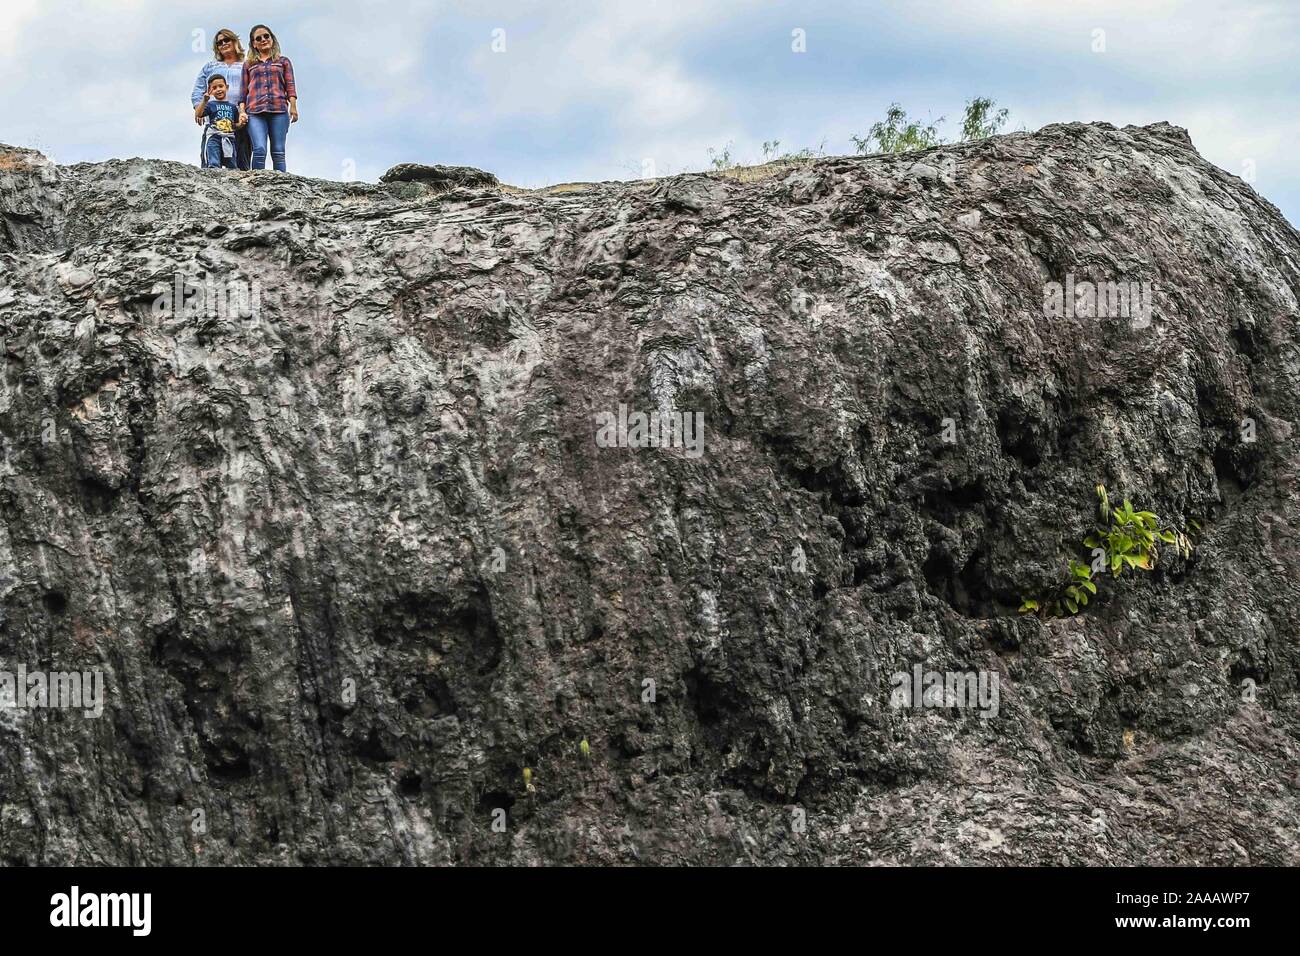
(1123, 538)
(585, 749)
(528, 780)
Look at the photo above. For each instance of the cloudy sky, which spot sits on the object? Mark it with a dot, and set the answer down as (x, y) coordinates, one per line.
(562, 90)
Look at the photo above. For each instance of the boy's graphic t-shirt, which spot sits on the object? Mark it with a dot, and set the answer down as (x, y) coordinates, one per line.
(222, 116)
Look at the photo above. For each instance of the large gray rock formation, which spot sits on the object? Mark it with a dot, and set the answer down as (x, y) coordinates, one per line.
(349, 555)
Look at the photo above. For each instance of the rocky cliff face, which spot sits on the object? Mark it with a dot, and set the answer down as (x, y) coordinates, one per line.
(328, 482)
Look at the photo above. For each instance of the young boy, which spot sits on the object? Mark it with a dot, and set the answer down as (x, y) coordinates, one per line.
(219, 131)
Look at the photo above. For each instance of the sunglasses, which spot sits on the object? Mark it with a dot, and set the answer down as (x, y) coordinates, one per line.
(224, 40)
(264, 36)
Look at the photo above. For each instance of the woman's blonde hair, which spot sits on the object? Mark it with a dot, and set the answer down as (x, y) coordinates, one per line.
(252, 51)
(239, 47)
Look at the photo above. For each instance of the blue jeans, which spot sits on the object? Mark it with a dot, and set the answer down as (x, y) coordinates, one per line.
(260, 125)
(212, 158)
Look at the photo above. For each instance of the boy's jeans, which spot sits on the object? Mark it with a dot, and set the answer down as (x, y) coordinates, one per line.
(274, 125)
(212, 158)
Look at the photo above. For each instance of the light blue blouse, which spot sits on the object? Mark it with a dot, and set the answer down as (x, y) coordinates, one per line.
(234, 74)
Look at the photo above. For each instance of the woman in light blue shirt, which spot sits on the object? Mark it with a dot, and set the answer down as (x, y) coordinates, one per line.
(228, 62)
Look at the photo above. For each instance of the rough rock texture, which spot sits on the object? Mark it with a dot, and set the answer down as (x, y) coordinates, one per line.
(354, 559)
(444, 177)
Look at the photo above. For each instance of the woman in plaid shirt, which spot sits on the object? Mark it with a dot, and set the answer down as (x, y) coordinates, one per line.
(268, 89)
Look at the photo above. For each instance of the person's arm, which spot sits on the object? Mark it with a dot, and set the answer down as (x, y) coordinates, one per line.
(200, 84)
(244, 79)
(201, 110)
(291, 90)
(243, 115)
(200, 88)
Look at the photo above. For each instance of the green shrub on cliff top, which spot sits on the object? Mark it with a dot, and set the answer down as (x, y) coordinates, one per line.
(898, 134)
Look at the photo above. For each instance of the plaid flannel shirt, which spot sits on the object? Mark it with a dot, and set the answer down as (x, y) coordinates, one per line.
(267, 85)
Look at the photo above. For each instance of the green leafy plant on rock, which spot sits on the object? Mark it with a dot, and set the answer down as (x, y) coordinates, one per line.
(898, 133)
(1122, 539)
(720, 159)
(982, 120)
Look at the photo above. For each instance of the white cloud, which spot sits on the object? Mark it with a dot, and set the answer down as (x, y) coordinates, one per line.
(622, 54)
(13, 15)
